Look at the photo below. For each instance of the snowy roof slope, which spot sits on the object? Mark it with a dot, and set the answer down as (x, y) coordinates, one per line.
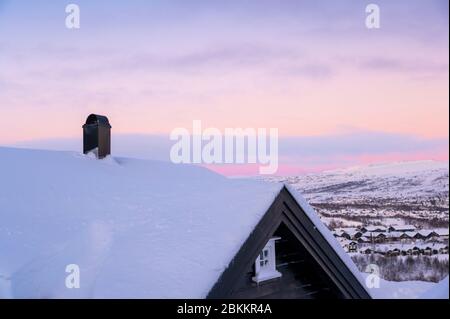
(137, 229)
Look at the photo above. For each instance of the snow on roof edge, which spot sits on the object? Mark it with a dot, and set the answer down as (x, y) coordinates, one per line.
(326, 233)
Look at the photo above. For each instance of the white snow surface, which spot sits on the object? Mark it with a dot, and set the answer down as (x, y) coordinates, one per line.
(385, 180)
(439, 291)
(136, 228)
(410, 289)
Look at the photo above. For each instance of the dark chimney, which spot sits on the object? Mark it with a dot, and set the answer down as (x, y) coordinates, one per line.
(97, 135)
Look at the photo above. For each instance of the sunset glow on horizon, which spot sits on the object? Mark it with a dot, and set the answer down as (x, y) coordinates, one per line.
(339, 93)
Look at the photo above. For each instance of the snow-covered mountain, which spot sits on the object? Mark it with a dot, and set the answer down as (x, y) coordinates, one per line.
(416, 189)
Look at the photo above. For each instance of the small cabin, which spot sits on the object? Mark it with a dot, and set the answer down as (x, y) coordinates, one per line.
(433, 236)
(373, 229)
(417, 251)
(405, 236)
(402, 228)
(374, 237)
(352, 247)
(442, 233)
(428, 251)
(396, 252)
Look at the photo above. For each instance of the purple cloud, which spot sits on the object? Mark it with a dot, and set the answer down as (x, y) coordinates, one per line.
(389, 64)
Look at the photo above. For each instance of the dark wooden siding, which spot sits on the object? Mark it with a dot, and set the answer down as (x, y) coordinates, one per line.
(301, 275)
(325, 271)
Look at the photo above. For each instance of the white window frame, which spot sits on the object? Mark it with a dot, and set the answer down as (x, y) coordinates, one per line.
(265, 263)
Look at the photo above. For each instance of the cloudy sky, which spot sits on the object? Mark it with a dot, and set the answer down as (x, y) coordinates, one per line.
(339, 93)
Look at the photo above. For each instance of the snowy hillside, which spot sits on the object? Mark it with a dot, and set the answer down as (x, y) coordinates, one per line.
(417, 190)
(401, 179)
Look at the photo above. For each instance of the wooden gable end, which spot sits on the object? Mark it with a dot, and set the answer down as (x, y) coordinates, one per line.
(310, 266)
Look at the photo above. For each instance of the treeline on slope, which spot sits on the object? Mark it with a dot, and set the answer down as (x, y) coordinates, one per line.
(409, 268)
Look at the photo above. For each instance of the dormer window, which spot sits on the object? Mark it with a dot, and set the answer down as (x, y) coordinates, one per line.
(265, 264)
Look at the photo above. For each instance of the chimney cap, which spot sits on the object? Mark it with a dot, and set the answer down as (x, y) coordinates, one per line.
(97, 119)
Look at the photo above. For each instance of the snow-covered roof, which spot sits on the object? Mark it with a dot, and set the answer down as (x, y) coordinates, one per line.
(411, 233)
(338, 232)
(353, 232)
(403, 227)
(348, 231)
(441, 231)
(399, 234)
(394, 234)
(374, 235)
(385, 247)
(345, 241)
(375, 228)
(137, 229)
(425, 232)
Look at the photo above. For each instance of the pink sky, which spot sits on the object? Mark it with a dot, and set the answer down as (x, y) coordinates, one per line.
(310, 70)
